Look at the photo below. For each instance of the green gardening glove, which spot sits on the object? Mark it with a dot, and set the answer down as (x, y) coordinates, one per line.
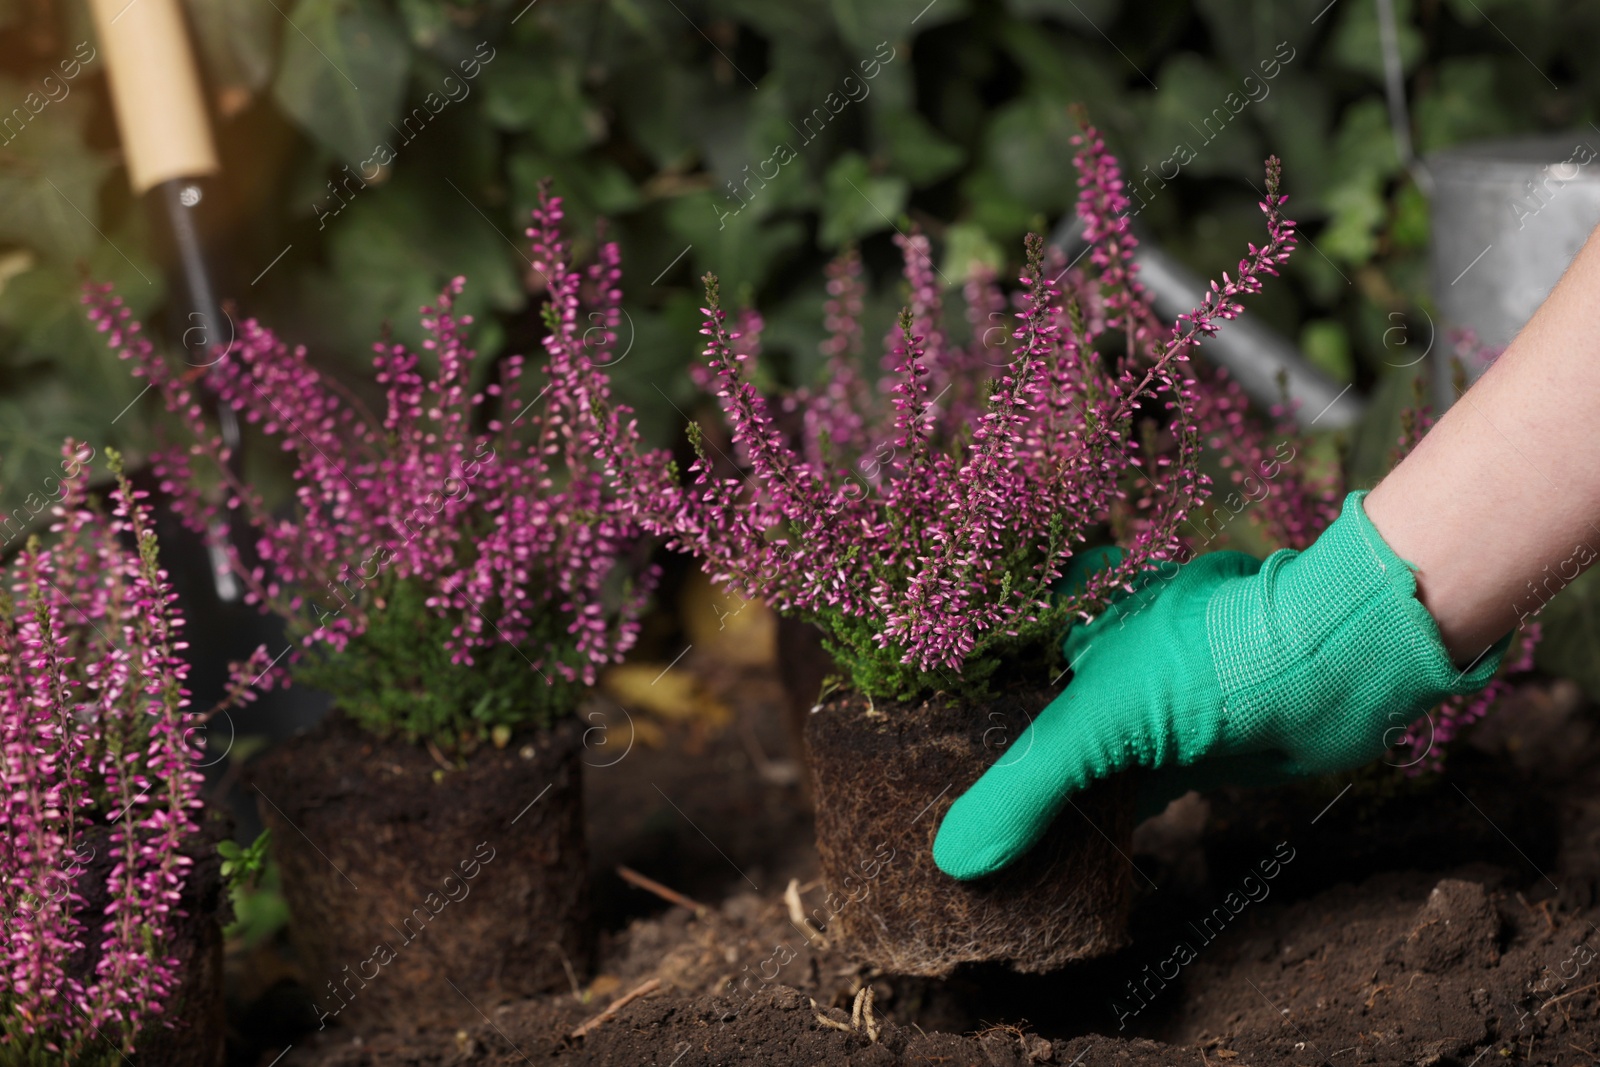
(1224, 669)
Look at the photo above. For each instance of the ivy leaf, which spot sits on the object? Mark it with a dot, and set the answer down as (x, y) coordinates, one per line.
(237, 38)
(1296, 114)
(541, 94)
(864, 24)
(1029, 150)
(1462, 104)
(57, 377)
(1326, 345)
(964, 245)
(1247, 33)
(995, 209)
(594, 183)
(804, 21)
(1085, 14)
(857, 203)
(343, 74)
(1364, 158)
(393, 252)
(738, 245)
(917, 151)
(1198, 124)
(1356, 43)
(49, 179)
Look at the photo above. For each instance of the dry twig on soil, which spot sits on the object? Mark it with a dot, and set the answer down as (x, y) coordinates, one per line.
(615, 1006)
(650, 885)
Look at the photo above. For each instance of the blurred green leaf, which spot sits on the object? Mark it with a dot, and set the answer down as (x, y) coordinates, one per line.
(259, 911)
(343, 74)
(1364, 158)
(866, 23)
(1197, 122)
(1061, 69)
(658, 347)
(1250, 32)
(394, 251)
(49, 179)
(541, 94)
(918, 152)
(237, 38)
(1364, 145)
(427, 21)
(658, 108)
(1357, 209)
(1296, 113)
(1356, 43)
(1029, 148)
(1410, 227)
(738, 246)
(1327, 347)
(1087, 14)
(857, 202)
(965, 244)
(57, 377)
(807, 22)
(995, 209)
(599, 185)
(1461, 104)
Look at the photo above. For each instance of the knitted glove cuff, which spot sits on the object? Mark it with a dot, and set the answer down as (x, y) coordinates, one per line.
(1340, 620)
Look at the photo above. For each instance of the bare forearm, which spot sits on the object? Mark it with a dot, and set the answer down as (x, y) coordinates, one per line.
(1497, 506)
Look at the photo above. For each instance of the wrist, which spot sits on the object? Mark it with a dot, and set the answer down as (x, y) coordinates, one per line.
(1322, 644)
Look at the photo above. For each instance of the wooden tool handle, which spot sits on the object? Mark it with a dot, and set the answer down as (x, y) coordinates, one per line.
(155, 89)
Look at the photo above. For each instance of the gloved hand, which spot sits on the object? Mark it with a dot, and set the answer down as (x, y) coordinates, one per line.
(1224, 669)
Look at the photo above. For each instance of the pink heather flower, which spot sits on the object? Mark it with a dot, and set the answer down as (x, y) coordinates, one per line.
(93, 725)
(517, 533)
(923, 525)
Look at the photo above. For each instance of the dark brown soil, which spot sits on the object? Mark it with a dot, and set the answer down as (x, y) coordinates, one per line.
(422, 895)
(882, 778)
(197, 1027)
(1448, 920)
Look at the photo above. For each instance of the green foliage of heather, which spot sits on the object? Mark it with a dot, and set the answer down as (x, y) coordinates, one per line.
(397, 679)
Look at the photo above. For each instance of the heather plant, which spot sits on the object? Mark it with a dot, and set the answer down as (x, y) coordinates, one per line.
(100, 792)
(926, 527)
(444, 582)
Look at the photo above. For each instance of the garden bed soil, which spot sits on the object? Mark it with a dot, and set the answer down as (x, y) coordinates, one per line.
(1446, 920)
(882, 777)
(422, 892)
(199, 1025)
(1398, 969)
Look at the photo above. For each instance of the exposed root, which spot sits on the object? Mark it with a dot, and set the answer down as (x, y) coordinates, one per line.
(572, 975)
(798, 916)
(862, 1021)
(825, 1021)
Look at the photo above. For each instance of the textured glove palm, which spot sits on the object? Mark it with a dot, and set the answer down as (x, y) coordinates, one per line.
(1226, 668)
